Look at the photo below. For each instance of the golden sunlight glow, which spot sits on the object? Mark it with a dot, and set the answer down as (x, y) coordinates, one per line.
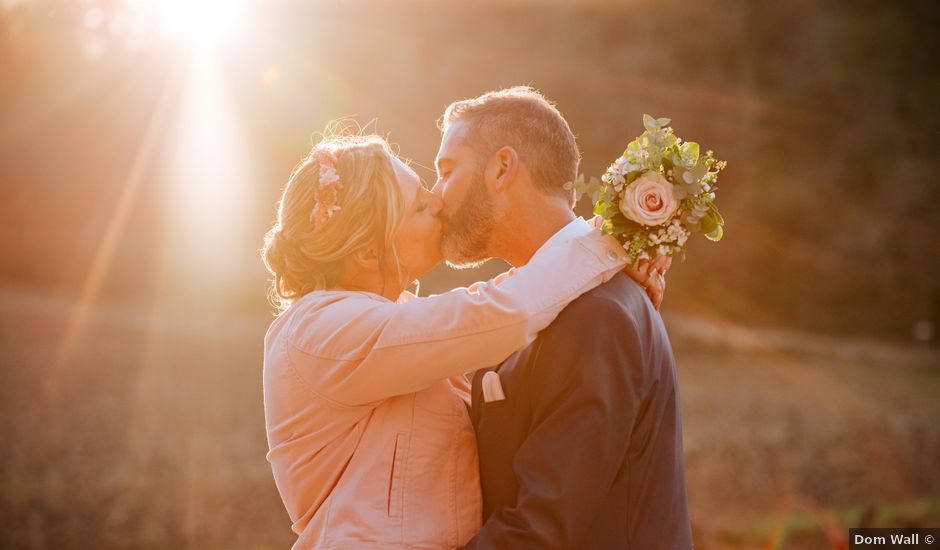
(199, 24)
(115, 228)
(210, 187)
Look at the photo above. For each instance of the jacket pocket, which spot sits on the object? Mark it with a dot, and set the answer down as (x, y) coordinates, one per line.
(396, 476)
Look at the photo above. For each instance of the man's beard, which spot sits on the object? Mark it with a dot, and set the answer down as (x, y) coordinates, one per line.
(466, 238)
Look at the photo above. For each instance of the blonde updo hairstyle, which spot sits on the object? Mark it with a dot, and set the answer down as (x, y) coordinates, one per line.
(303, 256)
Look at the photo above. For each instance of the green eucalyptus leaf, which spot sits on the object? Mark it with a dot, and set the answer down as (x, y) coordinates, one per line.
(690, 153)
(649, 123)
(620, 225)
(709, 223)
(663, 121)
(699, 170)
(714, 212)
(606, 209)
(716, 234)
(669, 160)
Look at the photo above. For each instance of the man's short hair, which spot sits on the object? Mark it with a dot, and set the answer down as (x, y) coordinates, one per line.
(523, 119)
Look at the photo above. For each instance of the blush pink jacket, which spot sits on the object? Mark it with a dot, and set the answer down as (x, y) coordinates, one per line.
(365, 404)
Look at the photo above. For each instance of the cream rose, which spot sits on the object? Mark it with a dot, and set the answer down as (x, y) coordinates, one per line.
(649, 199)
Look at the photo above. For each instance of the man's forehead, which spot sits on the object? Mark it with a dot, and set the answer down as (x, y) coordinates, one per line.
(453, 139)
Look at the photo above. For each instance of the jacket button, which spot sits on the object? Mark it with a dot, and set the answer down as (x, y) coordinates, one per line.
(611, 255)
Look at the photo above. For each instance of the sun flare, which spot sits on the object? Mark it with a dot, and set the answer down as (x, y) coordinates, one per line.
(200, 25)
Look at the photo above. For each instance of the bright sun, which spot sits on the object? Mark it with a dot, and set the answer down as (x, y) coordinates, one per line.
(201, 25)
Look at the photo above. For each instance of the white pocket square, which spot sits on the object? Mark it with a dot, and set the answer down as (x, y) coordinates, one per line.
(492, 388)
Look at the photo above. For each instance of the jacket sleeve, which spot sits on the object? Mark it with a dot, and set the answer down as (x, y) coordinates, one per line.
(385, 349)
(586, 395)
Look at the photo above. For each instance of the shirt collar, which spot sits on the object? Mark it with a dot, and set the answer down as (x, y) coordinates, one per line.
(575, 228)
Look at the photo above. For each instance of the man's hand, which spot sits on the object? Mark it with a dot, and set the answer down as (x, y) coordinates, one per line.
(651, 276)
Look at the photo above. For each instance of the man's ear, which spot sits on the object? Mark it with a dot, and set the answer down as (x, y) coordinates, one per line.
(505, 167)
(366, 258)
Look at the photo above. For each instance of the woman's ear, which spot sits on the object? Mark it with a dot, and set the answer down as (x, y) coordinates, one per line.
(505, 166)
(366, 258)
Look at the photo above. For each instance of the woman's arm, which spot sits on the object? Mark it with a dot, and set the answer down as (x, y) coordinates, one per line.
(392, 349)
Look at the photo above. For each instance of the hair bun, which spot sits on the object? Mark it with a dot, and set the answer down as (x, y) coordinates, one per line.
(276, 251)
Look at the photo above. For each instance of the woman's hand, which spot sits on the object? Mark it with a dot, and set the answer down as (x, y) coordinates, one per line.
(651, 276)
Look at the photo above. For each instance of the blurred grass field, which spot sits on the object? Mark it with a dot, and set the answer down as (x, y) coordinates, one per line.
(152, 434)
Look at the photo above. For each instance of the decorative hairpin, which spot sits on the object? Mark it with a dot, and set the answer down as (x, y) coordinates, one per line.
(326, 195)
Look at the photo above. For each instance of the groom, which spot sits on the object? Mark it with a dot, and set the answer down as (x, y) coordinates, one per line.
(582, 448)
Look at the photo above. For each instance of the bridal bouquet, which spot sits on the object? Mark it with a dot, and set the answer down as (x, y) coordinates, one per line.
(655, 195)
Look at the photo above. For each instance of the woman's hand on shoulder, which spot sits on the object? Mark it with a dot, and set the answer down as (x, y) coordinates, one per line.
(651, 275)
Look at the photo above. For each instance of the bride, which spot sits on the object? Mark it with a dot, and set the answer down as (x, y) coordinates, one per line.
(365, 400)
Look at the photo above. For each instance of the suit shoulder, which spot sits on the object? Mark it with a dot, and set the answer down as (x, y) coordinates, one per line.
(612, 325)
(618, 299)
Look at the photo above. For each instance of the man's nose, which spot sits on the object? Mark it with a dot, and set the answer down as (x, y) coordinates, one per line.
(438, 189)
(435, 202)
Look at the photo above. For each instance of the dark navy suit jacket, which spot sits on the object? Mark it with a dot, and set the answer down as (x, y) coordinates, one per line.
(585, 452)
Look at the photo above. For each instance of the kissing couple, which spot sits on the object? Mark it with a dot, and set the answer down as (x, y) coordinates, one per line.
(538, 409)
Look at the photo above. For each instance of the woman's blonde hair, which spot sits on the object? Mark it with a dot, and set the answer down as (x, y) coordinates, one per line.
(304, 256)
